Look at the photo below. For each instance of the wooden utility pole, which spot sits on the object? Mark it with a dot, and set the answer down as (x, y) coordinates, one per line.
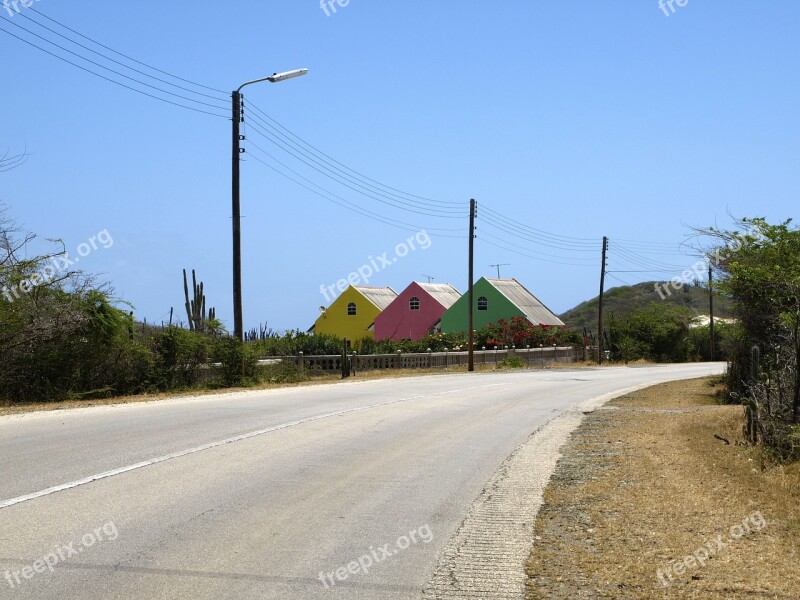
(238, 329)
(471, 332)
(711, 313)
(600, 311)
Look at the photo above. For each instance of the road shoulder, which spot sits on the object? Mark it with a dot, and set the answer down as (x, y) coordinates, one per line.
(647, 503)
(486, 556)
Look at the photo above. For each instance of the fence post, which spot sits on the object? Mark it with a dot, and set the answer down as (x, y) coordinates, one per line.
(300, 362)
(430, 358)
(345, 370)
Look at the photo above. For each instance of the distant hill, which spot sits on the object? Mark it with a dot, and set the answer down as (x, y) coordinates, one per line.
(629, 298)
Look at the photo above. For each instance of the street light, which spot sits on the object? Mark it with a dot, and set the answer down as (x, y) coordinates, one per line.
(236, 98)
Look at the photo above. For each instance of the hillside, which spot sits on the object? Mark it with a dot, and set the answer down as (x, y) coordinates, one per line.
(626, 299)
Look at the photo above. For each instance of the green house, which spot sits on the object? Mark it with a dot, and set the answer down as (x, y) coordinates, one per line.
(497, 299)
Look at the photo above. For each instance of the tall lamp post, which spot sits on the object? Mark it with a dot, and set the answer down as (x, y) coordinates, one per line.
(236, 97)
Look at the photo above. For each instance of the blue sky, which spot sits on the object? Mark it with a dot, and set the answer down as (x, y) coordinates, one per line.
(579, 119)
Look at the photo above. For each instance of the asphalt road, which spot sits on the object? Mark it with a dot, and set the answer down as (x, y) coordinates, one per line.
(267, 494)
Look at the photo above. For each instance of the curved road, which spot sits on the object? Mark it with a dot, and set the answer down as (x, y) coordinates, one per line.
(282, 494)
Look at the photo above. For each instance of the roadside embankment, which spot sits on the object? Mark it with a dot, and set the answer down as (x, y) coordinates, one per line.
(647, 503)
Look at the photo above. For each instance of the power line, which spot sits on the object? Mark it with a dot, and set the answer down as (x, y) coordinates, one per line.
(527, 254)
(514, 223)
(133, 89)
(216, 97)
(326, 194)
(271, 130)
(351, 182)
(429, 213)
(541, 255)
(97, 64)
(125, 55)
(631, 256)
(317, 150)
(491, 222)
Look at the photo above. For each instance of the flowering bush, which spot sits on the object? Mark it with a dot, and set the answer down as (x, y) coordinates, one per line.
(519, 332)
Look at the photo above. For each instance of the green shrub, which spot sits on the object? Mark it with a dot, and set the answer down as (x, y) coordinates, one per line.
(237, 361)
(179, 356)
(512, 362)
(283, 372)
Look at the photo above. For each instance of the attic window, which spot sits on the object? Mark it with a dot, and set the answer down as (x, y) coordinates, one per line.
(413, 304)
(351, 309)
(483, 303)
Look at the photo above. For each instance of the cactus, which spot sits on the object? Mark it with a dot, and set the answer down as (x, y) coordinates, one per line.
(196, 306)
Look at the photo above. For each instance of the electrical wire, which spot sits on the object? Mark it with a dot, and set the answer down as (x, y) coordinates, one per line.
(637, 259)
(119, 83)
(577, 242)
(526, 254)
(340, 201)
(138, 62)
(429, 213)
(343, 166)
(622, 281)
(289, 142)
(542, 255)
(191, 91)
(97, 64)
(327, 166)
(491, 222)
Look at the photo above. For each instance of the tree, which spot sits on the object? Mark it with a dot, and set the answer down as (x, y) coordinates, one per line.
(758, 266)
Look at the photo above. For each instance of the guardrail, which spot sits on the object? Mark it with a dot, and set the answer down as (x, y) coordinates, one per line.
(531, 357)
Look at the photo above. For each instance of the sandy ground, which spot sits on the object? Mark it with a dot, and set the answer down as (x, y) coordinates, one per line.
(647, 503)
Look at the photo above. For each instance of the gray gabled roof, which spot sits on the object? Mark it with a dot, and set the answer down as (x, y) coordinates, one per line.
(444, 293)
(379, 296)
(536, 312)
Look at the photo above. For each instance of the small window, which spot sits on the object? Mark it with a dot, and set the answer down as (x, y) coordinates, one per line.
(413, 304)
(351, 309)
(483, 303)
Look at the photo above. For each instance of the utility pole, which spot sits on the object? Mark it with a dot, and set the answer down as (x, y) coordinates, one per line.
(238, 332)
(711, 312)
(236, 98)
(498, 268)
(471, 333)
(600, 312)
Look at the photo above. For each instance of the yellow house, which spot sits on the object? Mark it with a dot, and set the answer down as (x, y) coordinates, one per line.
(352, 314)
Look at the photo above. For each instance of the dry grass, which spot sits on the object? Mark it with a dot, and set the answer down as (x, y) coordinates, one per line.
(644, 483)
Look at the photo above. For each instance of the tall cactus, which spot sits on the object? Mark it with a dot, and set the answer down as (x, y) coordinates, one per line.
(196, 306)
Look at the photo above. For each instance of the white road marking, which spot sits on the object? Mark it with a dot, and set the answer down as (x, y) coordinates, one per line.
(209, 446)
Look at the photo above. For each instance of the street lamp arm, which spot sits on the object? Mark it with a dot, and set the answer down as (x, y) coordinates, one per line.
(250, 83)
(276, 78)
(236, 98)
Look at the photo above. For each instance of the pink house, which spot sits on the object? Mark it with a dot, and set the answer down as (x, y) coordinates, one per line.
(415, 311)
